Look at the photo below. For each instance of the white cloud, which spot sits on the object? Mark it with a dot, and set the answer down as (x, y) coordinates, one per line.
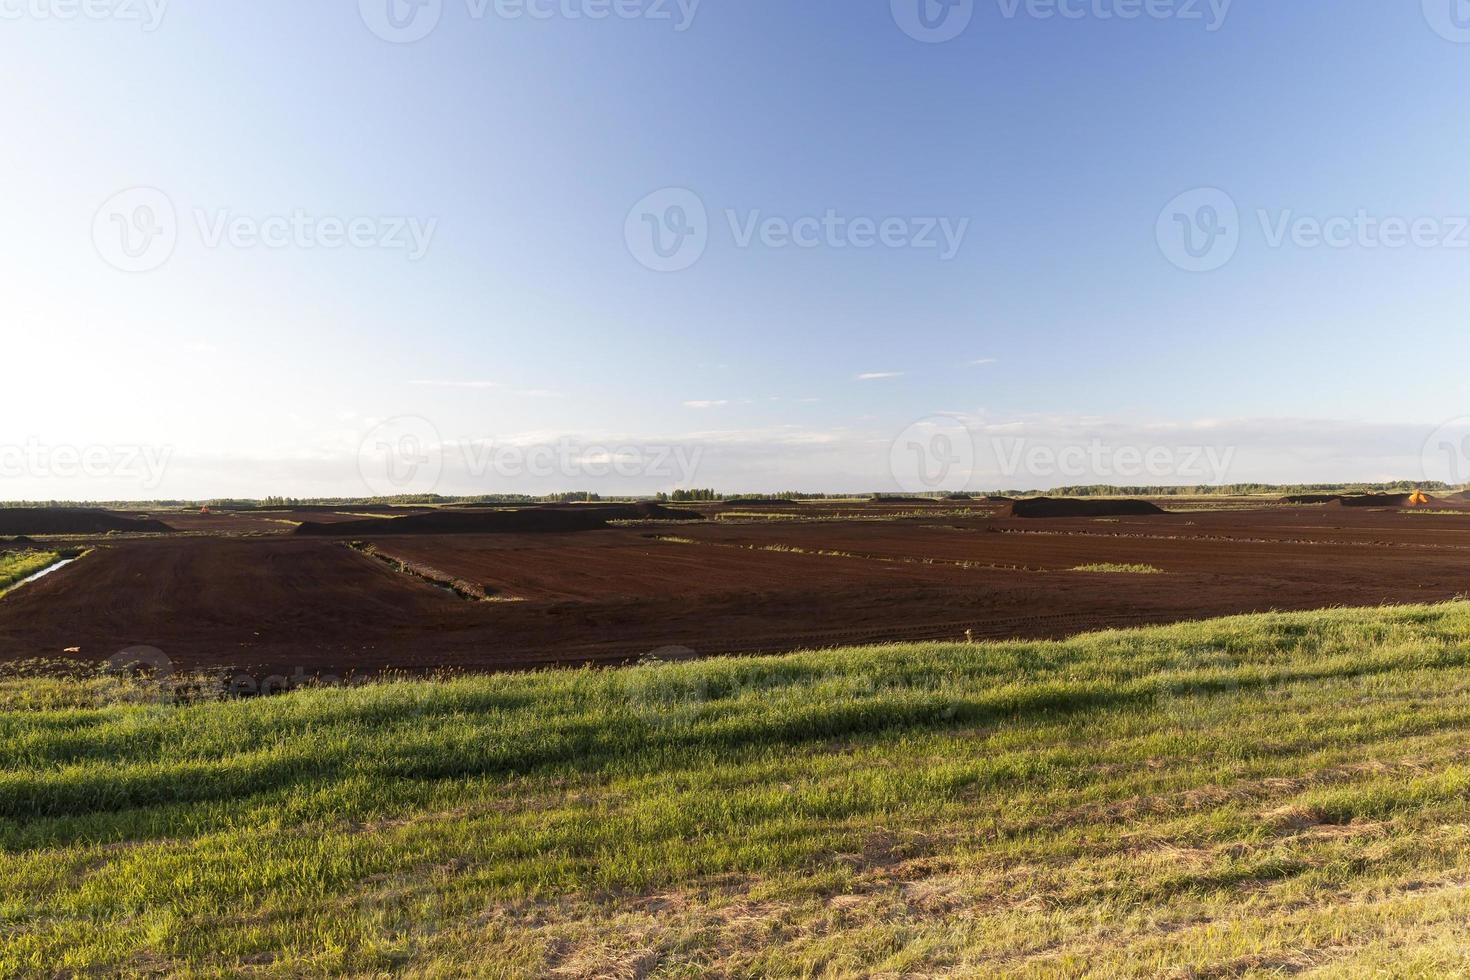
(455, 384)
(707, 404)
(981, 362)
(879, 375)
(1009, 452)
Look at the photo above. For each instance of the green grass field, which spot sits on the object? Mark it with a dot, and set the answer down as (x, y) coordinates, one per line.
(18, 566)
(1244, 797)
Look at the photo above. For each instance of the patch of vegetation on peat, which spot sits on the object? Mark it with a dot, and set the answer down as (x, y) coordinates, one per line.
(16, 567)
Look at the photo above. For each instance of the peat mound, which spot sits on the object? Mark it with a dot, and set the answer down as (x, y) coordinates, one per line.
(1374, 500)
(1074, 507)
(62, 520)
(532, 520)
(648, 511)
(1311, 498)
(643, 510)
(332, 509)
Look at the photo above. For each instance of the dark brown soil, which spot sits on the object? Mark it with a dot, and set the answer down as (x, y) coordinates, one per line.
(47, 520)
(278, 602)
(1374, 500)
(533, 520)
(387, 509)
(1081, 507)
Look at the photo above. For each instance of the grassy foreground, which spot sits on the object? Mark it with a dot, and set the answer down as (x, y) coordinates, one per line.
(1249, 796)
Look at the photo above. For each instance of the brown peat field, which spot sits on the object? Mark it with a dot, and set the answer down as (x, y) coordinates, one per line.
(1227, 738)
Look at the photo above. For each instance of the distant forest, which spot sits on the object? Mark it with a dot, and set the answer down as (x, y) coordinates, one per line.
(678, 496)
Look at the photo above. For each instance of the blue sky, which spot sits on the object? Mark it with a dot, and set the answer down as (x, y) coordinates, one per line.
(517, 147)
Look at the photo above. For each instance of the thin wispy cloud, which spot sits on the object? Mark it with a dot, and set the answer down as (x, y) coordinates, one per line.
(984, 361)
(879, 375)
(454, 384)
(707, 404)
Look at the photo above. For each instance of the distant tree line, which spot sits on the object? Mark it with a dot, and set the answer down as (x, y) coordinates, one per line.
(707, 495)
(685, 496)
(1239, 489)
